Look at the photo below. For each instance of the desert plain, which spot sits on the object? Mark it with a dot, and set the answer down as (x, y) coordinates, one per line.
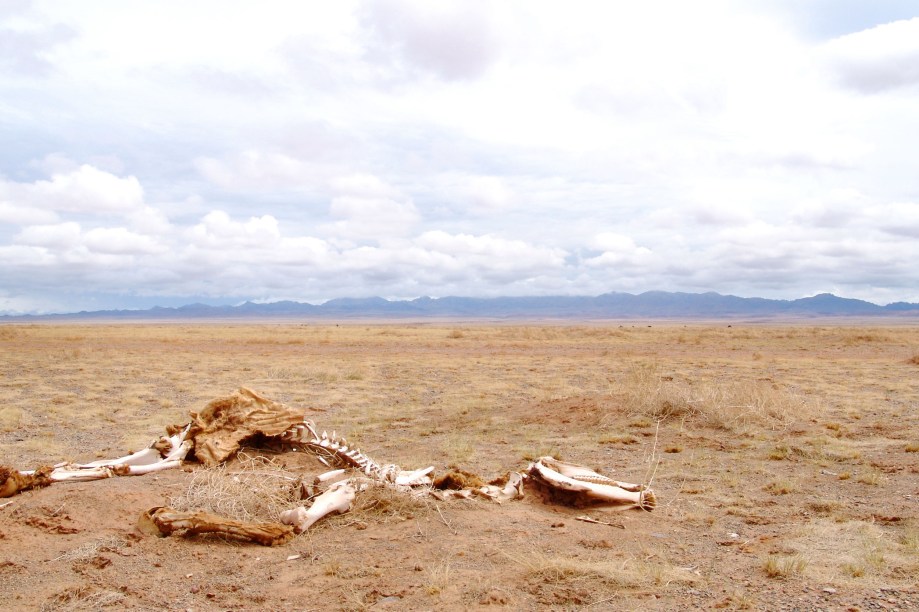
(784, 457)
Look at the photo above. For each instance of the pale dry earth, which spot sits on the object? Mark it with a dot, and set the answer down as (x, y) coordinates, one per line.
(785, 458)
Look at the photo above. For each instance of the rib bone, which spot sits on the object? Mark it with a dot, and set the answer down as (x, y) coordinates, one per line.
(333, 450)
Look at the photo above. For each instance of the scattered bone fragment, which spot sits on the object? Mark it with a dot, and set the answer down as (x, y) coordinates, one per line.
(413, 478)
(580, 485)
(445, 494)
(327, 476)
(166, 521)
(337, 499)
(513, 489)
(588, 519)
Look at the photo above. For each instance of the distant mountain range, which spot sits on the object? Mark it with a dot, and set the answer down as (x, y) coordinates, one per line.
(649, 305)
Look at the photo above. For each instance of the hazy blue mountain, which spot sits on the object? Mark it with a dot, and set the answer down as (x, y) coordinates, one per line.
(648, 305)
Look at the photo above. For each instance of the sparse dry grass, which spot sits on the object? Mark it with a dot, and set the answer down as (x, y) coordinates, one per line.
(731, 405)
(619, 573)
(798, 438)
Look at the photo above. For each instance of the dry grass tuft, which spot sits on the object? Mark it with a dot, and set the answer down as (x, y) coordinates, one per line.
(784, 566)
(82, 598)
(252, 489)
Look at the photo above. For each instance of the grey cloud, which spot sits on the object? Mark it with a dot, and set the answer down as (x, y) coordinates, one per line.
(875, 76)
(452, 40)
(23, 52)
(879, 59)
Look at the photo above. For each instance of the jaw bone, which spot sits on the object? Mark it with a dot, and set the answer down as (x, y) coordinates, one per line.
(337, 499)
(582, 485)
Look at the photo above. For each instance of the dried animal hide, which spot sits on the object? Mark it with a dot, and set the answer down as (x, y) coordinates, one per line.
(166, 521)
(13, 481)
(224, 423)
(578, 485)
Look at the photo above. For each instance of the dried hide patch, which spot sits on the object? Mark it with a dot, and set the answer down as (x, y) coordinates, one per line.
(167, 521)
(458, 479)
(224, 423)
(13, 481)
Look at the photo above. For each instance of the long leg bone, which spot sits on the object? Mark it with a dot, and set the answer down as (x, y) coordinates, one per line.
(336, 499)
(584, 485)
(163, 454)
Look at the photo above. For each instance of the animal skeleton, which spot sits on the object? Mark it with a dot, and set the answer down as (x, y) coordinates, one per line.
(217, 432)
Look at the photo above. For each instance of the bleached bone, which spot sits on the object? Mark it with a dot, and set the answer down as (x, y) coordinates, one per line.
(327, 476)
(150, 459)
(136, 464)
(166, 521)
(512, 490)
(332, 450)
(147, 456)
(445, 494)
(414, 478)
(587, 486)
(337, 499)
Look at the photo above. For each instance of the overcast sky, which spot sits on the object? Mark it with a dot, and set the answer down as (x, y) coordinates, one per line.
(220, 151)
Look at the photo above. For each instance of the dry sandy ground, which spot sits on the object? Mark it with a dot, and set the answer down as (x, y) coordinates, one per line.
(785, 459)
